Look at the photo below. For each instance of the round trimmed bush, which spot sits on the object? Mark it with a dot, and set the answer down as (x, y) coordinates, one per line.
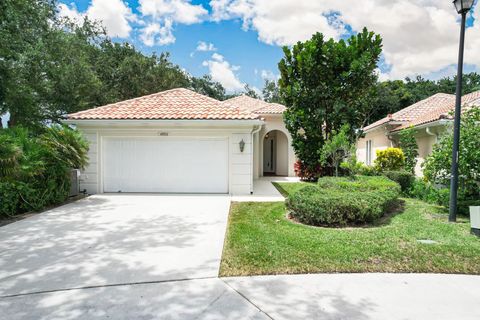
(341, 201)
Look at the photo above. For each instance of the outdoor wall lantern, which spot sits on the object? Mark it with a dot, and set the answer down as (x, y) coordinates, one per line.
(242, 145)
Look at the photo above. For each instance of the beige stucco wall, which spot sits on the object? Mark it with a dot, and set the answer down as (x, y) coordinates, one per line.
(379, 142)
(282, 150)
(426, 140)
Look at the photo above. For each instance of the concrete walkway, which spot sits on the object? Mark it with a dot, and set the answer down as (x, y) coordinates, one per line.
(264, 190)
(332, 296)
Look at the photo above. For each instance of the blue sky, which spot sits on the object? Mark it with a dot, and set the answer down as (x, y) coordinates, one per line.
(240, 40)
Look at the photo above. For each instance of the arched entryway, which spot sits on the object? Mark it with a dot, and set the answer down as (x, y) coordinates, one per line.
(275, 154)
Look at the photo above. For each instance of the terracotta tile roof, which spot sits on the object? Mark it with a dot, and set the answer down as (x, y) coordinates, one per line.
(271, 108)
(256, 106)
(174, 104)
(428, 106)
(442, 111)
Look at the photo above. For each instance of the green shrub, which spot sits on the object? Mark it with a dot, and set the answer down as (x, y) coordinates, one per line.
(352, 167)
(389, 159)
(9, 199)
(409, 146)
(343, 201)
(403, 178)
(359, 183)
(464, 206)
(427, 192)
(437, 166)
(441, 196)
(38, 167)
(368, 171)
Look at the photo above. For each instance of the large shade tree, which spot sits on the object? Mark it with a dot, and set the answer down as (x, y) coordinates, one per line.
(323, 83)
(50, 66)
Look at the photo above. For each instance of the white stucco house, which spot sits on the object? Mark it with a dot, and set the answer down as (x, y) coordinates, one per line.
(429, 117)
(179, 141)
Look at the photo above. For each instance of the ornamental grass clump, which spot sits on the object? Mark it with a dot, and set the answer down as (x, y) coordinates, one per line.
(343, 201)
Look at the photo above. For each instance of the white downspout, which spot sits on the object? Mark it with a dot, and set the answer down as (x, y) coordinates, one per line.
(254, 131)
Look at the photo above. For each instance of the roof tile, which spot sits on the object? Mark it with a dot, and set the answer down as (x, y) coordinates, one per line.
(436, 107)
(256, 106)
(174, 104)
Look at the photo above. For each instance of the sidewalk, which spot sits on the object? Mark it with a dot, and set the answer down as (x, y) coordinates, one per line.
(316, 296)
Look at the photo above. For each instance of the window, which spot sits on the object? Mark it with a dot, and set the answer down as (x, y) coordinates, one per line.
(368, 158)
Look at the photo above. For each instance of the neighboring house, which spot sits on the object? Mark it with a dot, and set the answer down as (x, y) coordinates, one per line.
(179, 141)
(429, 117)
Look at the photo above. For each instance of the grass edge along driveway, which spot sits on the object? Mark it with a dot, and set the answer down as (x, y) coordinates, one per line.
(261, 240)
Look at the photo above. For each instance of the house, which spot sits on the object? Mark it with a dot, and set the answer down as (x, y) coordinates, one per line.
(179, 141)
(429, 117)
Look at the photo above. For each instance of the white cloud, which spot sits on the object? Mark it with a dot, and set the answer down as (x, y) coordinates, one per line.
(70, 12)
(203, 46)
(420, 36)
(115, 15)
(181, 11)
(154, 33)
(222, 71)
(267, 74)
(161, 15)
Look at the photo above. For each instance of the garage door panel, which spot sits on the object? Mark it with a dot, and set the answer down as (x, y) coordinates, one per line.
(166, 165)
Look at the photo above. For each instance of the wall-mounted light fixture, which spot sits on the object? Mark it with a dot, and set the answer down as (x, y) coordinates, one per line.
(242, 145)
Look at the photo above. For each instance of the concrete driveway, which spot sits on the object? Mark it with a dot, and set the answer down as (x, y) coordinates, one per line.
(157, 257)
(114, 239)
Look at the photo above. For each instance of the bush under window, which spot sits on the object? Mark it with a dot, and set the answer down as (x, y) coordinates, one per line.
(389, 159)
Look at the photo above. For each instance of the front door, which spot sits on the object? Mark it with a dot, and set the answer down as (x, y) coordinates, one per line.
(269, 155)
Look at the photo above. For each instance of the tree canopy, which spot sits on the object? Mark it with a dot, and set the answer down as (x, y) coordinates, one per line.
(50, 66)
(323, 84)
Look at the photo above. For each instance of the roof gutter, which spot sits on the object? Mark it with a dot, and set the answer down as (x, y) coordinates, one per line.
(153, 123)
(437, 123)
(377, 127)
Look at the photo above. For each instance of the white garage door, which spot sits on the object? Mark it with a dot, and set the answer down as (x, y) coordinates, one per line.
(165, 164)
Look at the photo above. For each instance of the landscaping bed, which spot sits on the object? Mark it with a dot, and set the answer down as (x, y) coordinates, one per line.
(262, 240)
(343, 201)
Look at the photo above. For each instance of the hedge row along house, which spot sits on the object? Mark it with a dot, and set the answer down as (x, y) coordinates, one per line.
(430, 118)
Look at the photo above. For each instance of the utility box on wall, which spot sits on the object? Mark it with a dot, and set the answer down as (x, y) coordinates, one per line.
(74, 182)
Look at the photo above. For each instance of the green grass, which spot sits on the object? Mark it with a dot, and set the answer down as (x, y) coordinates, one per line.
(261, 240)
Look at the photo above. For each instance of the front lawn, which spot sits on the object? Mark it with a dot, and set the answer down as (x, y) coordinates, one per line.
(261, 240)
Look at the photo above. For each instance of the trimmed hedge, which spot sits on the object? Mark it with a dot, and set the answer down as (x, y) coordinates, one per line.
(404, 178)
(342, 201)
